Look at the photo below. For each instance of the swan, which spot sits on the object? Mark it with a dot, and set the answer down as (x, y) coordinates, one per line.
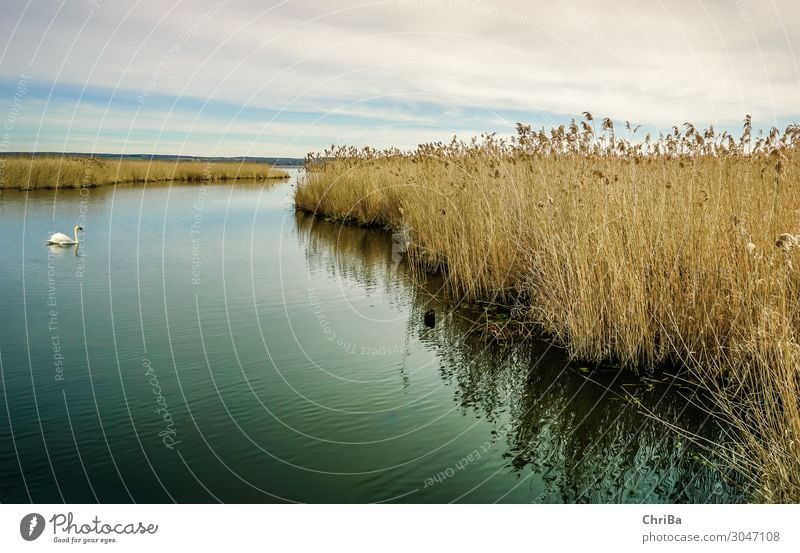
(61, 239)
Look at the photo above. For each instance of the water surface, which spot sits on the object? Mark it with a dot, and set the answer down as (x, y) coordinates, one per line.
(206, 343)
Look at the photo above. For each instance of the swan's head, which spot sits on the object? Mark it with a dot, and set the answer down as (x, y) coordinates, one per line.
(78, 228)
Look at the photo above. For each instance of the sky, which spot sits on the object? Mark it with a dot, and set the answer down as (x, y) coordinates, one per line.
(285, 78)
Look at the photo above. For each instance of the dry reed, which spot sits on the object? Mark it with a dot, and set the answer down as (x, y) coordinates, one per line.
(30, 173)
(678, 249)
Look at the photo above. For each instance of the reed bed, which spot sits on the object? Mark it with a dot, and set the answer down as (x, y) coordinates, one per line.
(31, 173)
(680, 250)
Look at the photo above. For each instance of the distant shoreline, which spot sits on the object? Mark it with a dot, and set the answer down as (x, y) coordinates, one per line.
(275, 161)
(42, 172)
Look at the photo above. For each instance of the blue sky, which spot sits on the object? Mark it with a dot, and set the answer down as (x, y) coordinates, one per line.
(233, 77)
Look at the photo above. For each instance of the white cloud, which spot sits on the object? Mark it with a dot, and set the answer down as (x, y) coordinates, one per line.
(656, 63)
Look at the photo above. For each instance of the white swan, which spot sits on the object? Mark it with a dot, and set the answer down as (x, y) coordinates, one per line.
(61, 239)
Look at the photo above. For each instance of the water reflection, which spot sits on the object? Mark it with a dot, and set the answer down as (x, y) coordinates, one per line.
(267, 404)
(570, 433)
(62, 251)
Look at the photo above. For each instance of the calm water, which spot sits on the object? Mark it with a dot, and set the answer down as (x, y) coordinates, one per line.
(206, 343)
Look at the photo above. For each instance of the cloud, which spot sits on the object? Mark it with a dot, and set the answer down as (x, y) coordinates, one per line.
(406, 67)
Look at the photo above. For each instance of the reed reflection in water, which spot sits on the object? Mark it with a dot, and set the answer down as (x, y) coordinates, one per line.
(567, 432)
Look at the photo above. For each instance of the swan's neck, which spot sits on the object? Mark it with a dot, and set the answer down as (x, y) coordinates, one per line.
(75, 233)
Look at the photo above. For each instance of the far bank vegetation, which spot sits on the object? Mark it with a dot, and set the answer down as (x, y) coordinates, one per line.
(37, 172)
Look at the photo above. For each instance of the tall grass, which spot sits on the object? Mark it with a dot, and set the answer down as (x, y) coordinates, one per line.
(679, 249)
(29, 173)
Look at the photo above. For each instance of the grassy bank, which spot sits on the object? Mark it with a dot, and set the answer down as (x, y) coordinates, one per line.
(643, 252)
(26, 173)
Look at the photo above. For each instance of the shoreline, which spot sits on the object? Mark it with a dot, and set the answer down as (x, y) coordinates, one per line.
(78, 186)
(42, 173)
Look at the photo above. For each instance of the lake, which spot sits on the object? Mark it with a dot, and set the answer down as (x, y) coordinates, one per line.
(207, 343)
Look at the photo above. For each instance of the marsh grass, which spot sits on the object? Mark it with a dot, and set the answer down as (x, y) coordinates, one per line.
(637, 251)
(31, 173)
